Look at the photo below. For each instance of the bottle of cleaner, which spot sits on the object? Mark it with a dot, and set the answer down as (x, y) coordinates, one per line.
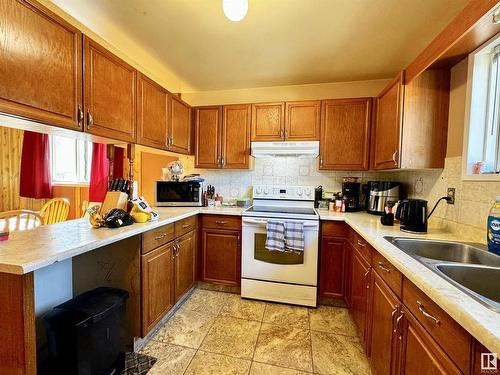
(493, 229)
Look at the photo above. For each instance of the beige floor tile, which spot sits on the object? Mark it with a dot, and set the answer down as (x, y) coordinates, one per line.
(205, 363)
(186, 328)
(232, 336)
(265, 369)
(284, 346)
(286, 315)
(171, 359)
(332, 320)
(338, 354)
(206, 301)
(243, 308)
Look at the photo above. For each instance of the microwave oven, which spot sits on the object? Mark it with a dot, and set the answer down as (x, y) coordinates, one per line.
(178, 193)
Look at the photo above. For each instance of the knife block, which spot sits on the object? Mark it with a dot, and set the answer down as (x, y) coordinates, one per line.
(114, 199)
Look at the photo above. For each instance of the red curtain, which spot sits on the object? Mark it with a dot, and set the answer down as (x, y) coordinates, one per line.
(98, 173)
(118, 163)
(35, 180)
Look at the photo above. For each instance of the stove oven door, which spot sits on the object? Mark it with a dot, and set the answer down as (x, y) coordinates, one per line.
(258, 263)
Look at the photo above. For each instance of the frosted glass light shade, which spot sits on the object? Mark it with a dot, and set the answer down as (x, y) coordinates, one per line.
(235, 10)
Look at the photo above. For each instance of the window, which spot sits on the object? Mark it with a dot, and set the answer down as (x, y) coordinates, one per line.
(70, 160)
(483, 141)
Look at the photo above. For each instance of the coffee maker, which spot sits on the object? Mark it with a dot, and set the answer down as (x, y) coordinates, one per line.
(350, 192)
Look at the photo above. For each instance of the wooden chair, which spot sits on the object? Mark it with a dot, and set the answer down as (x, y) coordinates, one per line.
(55, 211)
(19, 220)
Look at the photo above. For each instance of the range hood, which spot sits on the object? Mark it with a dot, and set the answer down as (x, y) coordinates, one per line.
(309, 149)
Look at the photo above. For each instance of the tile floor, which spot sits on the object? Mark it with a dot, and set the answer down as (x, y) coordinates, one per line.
(221, 333)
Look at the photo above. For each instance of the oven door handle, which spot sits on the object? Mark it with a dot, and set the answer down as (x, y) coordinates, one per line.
(264, 222)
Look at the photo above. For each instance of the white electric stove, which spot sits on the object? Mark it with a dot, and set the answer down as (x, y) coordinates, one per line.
(288, 277)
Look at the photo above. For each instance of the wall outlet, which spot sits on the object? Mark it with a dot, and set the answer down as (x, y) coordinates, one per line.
(451, 195)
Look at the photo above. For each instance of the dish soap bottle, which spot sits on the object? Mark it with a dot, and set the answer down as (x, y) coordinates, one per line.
(493, 235)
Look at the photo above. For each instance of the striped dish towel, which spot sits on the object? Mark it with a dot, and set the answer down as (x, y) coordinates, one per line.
(275, 235)
(294, 236)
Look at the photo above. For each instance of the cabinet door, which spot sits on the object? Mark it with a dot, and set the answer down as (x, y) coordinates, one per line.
(152, 111)
(388, 126)
(208, 129)
(221, 257)
(236, 136)
(109, 94)
(385, 306)
(360, 273)
(302, 120)
(268, 121)
(420, 353)
(185, 268)
(179, 126)
(332, 268)
(41, 65)
(157, 285)
(345, 134)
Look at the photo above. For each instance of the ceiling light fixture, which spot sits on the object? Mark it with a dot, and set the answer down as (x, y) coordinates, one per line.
(235, 10)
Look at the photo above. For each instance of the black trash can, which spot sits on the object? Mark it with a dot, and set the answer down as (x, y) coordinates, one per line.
(86, 335)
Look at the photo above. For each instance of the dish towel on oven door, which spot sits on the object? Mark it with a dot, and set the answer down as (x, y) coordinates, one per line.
(294, 236)
(275, 235)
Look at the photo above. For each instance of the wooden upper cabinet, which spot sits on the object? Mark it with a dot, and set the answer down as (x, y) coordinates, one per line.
(302, 121)
(152, 113)
(41, 65)
(208, 123)
(109, 94)
(235, 137)
(388, 125)
(268, 121)
(180, 127)
(345, 134)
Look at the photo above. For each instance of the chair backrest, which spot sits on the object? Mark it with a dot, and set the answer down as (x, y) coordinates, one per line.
(55, 211)
(19, 220)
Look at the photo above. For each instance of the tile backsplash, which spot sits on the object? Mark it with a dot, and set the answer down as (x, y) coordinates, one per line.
(467, 215)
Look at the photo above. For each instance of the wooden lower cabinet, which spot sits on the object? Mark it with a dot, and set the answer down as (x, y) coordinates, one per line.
(419, 353)
(157, 270)
(384, 310)
(332, 268)
(221, 256)
(185, 266)
(360, 283)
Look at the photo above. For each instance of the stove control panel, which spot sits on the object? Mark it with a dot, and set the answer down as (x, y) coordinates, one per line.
(305, 193)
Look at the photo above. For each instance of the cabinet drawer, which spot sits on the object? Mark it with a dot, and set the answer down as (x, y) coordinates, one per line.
(157, 237)
(185, 225)
(334, 229)
(362, 246)
(387, 272)
(455, 340)
(221, 222)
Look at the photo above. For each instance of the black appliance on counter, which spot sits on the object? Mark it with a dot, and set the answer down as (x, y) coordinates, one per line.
(318, 196)
(178, 193)
(380, 193)
(413, 215)
(86, 335)
(350, 192)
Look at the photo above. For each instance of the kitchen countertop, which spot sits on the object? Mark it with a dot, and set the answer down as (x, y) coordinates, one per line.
(28, 251)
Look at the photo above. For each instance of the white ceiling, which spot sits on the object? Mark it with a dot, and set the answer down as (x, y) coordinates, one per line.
(280, 42)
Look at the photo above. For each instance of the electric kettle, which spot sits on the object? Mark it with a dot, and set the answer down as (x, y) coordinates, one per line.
(413, 215)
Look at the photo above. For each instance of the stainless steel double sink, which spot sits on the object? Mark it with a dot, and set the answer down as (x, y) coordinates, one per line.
(469, 267)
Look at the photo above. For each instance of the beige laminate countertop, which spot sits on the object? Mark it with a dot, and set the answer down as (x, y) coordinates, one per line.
(28, 251)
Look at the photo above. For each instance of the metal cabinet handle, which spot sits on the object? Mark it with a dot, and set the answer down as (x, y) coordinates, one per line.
(321, 162)
(220, 222)
(286, 134)
(426, 314)
(171, 141)
(383, 268)
(80, 114)
(185, 226)
(394, 157)
(398, 321)
(365, 276)
(163, 235)
(90, 119)
(393, 315)
(222, 162)
(361, 243)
